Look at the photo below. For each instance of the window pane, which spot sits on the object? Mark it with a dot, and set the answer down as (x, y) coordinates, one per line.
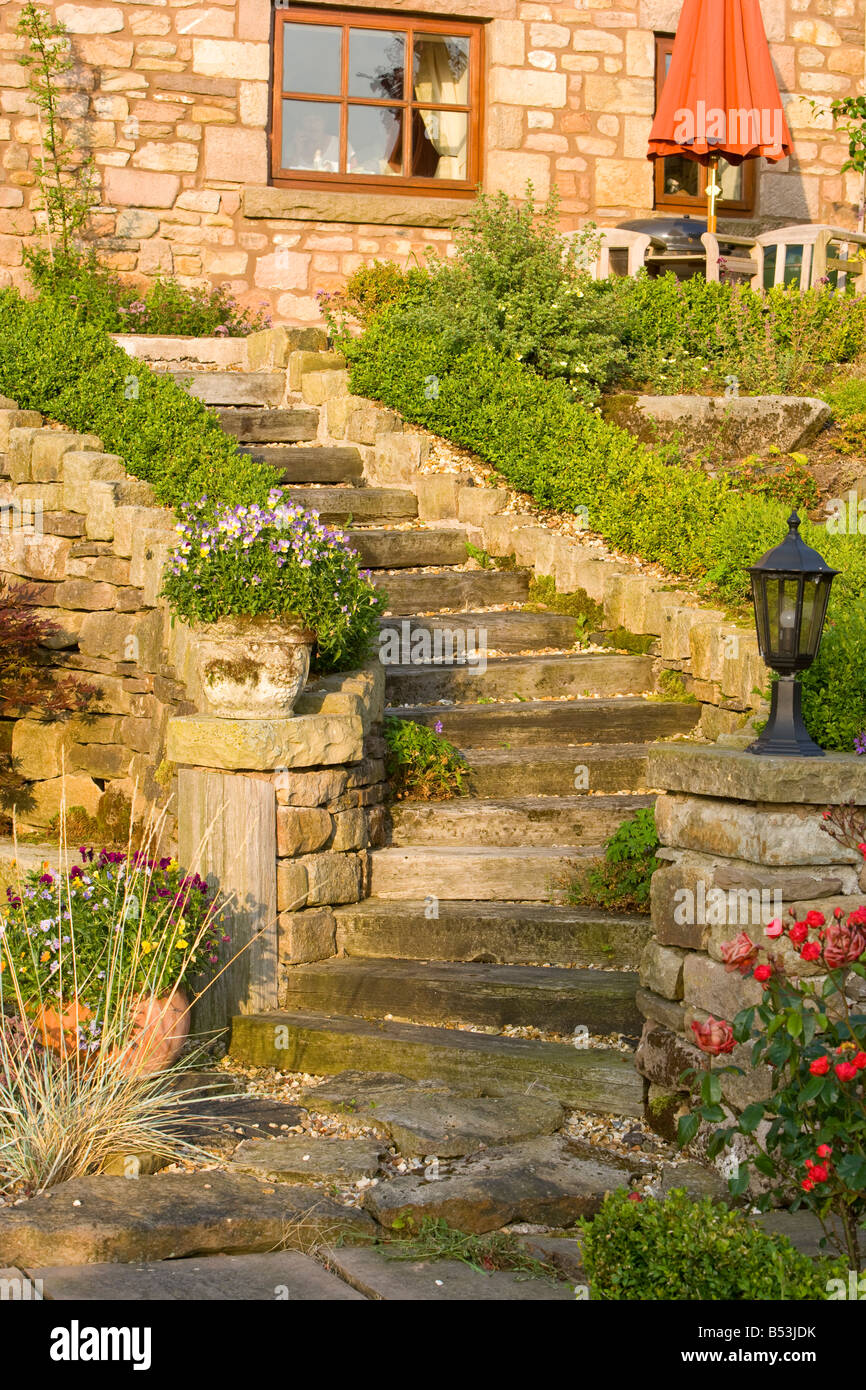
(441, 70)
(439, 144)
(377, 64)
(375, 140)
(311, 58)
(311, 135)
(681, 175)
(731, 179)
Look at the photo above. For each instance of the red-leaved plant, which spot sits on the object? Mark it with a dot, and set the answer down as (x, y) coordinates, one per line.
(809, 1137)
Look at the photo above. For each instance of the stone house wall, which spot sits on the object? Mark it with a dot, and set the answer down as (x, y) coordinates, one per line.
(173, 102)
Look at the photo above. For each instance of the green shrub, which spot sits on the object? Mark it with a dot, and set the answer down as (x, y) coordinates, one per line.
(367, 291)
(420, 763)
(846, 397)
(65, 366)
(622, 879)
(834, 687)
(79, 280)
(678, 1249)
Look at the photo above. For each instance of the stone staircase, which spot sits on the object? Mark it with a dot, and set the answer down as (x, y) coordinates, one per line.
(464, 942)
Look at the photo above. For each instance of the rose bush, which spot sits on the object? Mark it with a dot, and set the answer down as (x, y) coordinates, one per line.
(809, 1137)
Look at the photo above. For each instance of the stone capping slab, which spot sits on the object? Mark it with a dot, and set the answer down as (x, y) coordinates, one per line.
(304, 205)
(262, 745)
(148, 347)
(740, 776)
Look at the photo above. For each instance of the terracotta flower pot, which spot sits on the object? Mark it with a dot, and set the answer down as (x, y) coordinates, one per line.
(160, 1027)
(252, 668)
(59, 1031)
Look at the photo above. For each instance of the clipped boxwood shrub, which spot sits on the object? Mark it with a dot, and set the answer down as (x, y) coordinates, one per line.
(679, 1249)
(71, 371)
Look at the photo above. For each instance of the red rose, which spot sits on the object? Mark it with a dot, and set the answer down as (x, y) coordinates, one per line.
(811, 951)
(859, 1061)
(739, 954)
(815, 918)
(715, 1036)
(823, 1151)
(798, 932)
(857, 918)
(635, 1197)
(818, 1173)
(846, 1071)
(807, 1184)
(844, 943)
(820, 1066)
(762, 973)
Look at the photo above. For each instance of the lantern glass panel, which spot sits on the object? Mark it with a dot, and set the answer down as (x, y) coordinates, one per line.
(783, 613)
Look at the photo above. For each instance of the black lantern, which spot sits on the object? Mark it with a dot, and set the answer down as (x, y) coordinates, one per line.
(791, 590)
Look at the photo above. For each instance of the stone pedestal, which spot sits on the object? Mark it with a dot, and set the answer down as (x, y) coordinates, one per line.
(742, 841)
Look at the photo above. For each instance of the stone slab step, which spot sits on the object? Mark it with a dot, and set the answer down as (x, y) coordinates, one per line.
(306, 1158)
(263, 426)
(491, 873)
(546, 997)
(530, 678)
(528, 723)
(423, 1118)
(430, 591)
(317, 464)
(407, 549)
(594, 1079)
(542, 1181)
(232, 388)
(376, 1275)
(285, 1274)
(345, 504)
(528, 820)
(499, 933)
(107, 1219)
(509, 631)
(553, 771)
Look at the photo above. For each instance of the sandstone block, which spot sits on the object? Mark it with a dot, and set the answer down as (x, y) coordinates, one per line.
(82, 467)
(310, 788)
(306, 936)
(43, 800)
(261, 744)
(350, 830)
(302, 830)
(661, 970)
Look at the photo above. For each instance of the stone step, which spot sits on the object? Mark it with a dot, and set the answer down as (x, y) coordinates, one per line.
(317, 464)
(293, 425)
(509, 631)
(232, 388)
(401, 549)
(596, 1079)
(284, 1274)
(499, 933)
(166, 1216)
(528, 820)
(384, 1278)
(543, 1182)
(530, 678)
(432, 591)
(557, 771)
(546, 997)
(492, 874)
(345, 504)
(529, 723)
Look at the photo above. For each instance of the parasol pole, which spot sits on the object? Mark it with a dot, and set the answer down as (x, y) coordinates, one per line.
(713, 191)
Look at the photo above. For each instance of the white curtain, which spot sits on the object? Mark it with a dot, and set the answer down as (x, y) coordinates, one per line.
(439, 79)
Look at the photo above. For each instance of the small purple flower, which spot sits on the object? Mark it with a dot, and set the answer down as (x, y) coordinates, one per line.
(860, 743)
(438, 726)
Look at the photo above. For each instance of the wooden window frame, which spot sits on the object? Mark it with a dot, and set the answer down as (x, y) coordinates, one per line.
(379, 183)
(688, 202)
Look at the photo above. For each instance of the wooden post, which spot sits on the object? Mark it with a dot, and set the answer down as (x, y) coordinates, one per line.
(227, 833)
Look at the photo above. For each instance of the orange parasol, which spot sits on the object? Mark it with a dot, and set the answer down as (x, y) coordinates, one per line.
(720, 97)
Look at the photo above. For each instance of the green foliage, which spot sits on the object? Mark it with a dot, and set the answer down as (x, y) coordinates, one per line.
(850, 113)
(64, 171)
(274, 561)
(367, 291)
(650, 1250)
(421, 764)
(846, 397)
(834, 687)
(622, 879)
(78, 280)
(543, 598)
(791, 483)
(53, 361)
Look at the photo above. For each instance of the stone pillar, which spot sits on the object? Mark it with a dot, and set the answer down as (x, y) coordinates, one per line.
(279, 815)
(743, 841)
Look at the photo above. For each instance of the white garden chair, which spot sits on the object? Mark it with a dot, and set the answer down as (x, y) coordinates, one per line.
(636, 244)
(802, 254)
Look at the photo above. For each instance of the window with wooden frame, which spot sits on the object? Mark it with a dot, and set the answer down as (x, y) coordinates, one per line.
(366, 101)
(680, 182)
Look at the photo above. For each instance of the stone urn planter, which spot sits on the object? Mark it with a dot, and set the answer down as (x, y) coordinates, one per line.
(159, 1029)
(252, 668)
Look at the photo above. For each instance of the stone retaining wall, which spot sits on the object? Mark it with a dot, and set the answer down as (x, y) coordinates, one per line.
(742, 841)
